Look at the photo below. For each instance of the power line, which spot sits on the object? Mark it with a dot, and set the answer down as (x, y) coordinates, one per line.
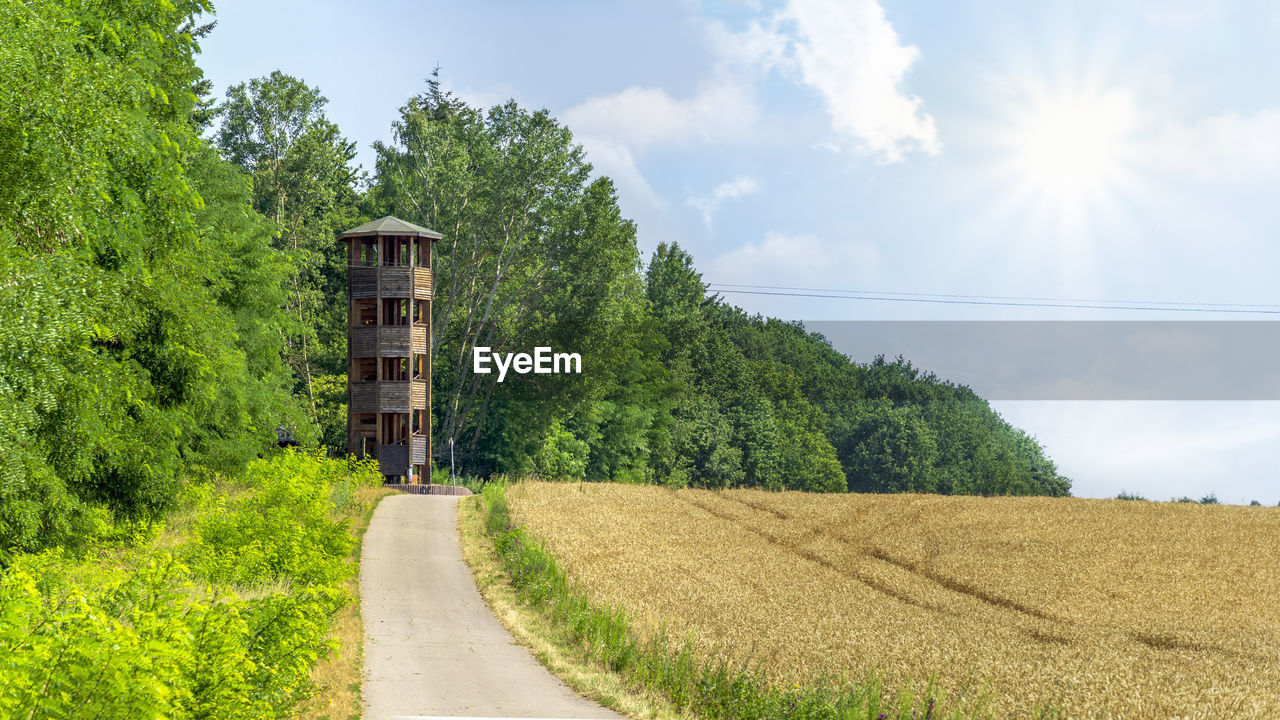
(1176, 305)
(943, 300)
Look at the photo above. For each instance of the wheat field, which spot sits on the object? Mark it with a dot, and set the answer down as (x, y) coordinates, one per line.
(1106, 608)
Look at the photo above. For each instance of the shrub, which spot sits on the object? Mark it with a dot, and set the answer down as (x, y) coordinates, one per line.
(227, 625)
(280, 531)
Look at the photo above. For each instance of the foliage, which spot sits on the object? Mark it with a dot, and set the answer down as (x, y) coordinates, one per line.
(259, 543)
(274, 129)
(1125, 495)
(562, 455)
(678, 387)
(182, 632)
(138, 312)
(893, 450)
(534, 253)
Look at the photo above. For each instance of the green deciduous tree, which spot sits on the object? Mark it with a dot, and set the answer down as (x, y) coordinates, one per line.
(275, 128)
(893, 450)
(534, 253)
(130, 341)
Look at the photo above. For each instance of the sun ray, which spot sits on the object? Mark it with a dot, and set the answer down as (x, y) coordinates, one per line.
(1070, 149)
(1057, 171)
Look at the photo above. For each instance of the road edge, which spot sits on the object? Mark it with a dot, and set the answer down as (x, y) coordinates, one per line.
(343, 696)
(536, 633)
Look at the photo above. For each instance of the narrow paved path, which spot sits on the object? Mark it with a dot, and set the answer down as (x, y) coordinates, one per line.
(432, 647)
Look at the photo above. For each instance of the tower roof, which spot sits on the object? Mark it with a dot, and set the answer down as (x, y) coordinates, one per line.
(391, 226)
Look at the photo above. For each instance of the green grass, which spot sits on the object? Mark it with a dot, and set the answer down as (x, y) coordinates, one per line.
(705, 687)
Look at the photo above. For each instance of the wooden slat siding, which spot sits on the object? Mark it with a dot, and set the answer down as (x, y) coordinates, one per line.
(351, 426)
(430, 367)
(393, 397)
(364, 282)
(364, 342)
(364, 397)
(418, 451)
(418, 394)
(393, 459)
(395, 341)
(422, 283)
(419, 338)
(397, 282)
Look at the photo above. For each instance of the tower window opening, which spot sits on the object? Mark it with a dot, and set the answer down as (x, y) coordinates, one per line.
(364, 252)
(364, 313)
(395, 311)
(395, 250)
(395, 428)
(366, 432)
(366, 370)
(395, 369)
(423, 255)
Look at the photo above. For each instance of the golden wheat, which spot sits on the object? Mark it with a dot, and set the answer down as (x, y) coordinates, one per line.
(1108, 608)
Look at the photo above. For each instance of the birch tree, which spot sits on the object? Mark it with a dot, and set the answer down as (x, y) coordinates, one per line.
(534, 253)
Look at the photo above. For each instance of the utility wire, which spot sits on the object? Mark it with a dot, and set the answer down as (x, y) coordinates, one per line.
(998, 297)
(955, 300)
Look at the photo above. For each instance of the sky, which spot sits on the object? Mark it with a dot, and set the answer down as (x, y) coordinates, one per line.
(1126, 150)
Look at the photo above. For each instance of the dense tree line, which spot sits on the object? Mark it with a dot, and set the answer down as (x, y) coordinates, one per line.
(171, 293)
(141, 300)
(679, 387)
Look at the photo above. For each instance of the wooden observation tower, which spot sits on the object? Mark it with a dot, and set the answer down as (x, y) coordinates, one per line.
(389, 293)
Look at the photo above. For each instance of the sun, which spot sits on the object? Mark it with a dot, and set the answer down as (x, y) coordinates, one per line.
(1071, 150)
(1059, 177)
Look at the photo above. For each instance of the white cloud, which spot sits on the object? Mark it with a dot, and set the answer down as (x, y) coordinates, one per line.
(1223, 148)
(851, 55)
(614, 129)
(735, 189)
(800, 260)
(848, 52)
(759, 45)
(641, 117)
(613, 158)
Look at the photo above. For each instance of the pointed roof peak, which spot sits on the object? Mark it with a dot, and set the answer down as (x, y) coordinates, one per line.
(391, 226)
